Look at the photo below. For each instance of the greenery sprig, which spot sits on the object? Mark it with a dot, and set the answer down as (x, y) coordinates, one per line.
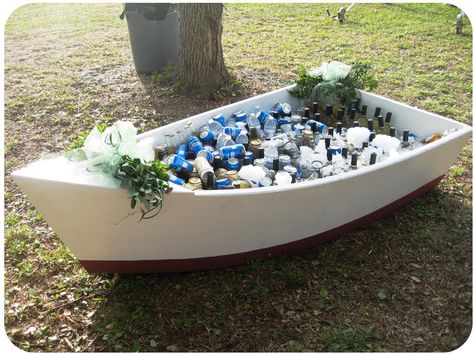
(146, 184)
(345, 89)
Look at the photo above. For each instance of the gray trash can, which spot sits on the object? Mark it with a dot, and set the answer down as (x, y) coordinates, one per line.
(154, 34)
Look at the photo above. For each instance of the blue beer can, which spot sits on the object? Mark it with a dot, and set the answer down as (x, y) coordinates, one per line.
(178, 164)
(222, 183)
(237, 150)
(250, 156)
(233, 164)
(182, 151)
(176, 180)
(219, 118)
(194, 144)
(208, 155)
(283, 109)
(322, 128)
(265, 182)
(262, 116)
(232, 131)
(240, 116)
(206, 136)
(336, 150)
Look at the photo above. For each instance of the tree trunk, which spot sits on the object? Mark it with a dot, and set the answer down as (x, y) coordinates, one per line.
(201, 67)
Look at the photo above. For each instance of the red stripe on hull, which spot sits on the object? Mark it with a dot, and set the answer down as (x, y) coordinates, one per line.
(194, 264)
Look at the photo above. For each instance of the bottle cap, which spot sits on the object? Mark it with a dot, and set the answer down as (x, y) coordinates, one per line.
(315, 107)
(327, 142)
(329, 154)
(217, 163)
(304, 120)
(353, 113)
(246, 160)
(275, 164)
(306, 112)
(356, 123)
(388, 117)
(328, 109)
(331, 131)
(370, 124)
(339, 127)
(405, 136)
(377, 111)
(317, 116)
(354, 160)
(372, 136)
(373, 158)
(340, 113)
(344, 152)
(381, 121)
(392, 132)
(363, 110)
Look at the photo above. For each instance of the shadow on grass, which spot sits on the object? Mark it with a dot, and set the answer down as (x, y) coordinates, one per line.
(325, 298)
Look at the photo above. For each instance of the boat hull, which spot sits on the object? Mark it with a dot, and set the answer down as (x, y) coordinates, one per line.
(211, 229)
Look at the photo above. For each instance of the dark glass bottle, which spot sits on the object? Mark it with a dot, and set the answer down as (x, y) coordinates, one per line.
(373, 158)
(362, 118)
(370, 124)
(354, 161)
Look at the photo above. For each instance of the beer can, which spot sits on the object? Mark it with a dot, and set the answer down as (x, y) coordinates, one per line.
(219, 118)
(283, 109)
(232, 175)
(179, 164)
(292, 170)
(307, 137)
(232, 131)
(262, 116)
(209, 156)
(233, 164)
(206, 136)
(222, 183)
(284, 160)
(160, 152)
(237, 150)
(195, 182)
(250, 156)
(240, 116)
(254, 145)
(182, 151)
(221, 173)
(194, 144)
(265, 182)
(175, 179)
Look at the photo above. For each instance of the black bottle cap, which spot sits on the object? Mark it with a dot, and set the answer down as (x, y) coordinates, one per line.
(339, 127)
(392, 132)
(317, 117)
(331, 131)
(365, 144)
(340, 114)
(354, 160)
(356, 123)
(373, 157)
(344, 152)
(405, 136)
(261, 153)
(210, 180)
(275, 114)
(381, 121)
(275, 164)
(372, 136)
(315, 107)
(377, 111)
(329, 154)
(388, 117)
(327, 142)
(370, 124)
(328, 110)
(246, 160)
(217, 163)
(353, 113)
(306, 112)
(363, 111)
(304, 120)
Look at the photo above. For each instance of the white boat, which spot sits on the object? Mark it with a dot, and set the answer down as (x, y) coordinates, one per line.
(218, 228)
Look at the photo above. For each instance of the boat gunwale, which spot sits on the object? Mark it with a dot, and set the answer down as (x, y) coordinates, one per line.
(463, 130)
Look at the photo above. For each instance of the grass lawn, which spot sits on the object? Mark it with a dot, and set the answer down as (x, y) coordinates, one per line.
(402, 283)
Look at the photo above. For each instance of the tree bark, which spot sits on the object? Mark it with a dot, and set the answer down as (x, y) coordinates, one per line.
(201, 67)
